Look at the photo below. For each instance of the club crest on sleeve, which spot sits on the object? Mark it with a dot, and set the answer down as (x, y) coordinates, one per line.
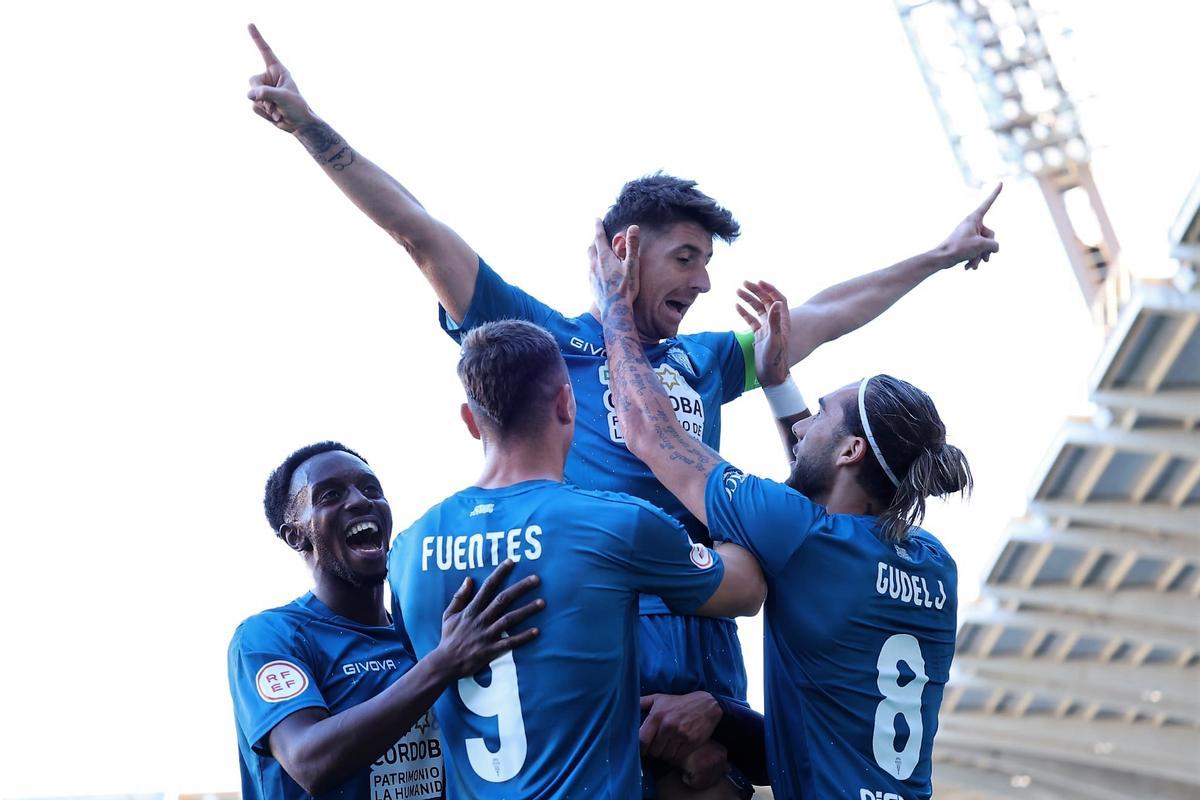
(701, 556)
(280, 680)
(733, 479)
(677, 354)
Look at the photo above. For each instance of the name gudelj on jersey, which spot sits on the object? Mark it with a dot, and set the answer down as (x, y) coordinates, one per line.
(689, 408)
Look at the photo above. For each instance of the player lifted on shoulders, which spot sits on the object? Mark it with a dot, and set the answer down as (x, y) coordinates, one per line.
(691, 669)
(559, 717)
(328, 700)
(862, 603)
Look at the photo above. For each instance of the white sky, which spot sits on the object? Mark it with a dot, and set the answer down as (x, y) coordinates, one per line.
(187, 299)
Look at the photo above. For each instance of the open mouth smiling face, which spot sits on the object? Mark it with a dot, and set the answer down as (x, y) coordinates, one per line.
(365, 537)
(348, 517)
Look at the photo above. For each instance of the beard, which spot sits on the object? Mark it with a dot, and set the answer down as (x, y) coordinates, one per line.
(812, 475)
(345, 572)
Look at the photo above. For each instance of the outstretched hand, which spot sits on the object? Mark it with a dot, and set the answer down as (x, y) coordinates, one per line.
(614, 279)
(475, 627)
(772, 326)
(971, 241)
(274, 93)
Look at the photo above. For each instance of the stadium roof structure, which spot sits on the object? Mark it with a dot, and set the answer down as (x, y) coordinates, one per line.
(1077, 674)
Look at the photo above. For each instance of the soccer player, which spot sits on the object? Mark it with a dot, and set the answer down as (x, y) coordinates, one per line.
(691, 669)
(329, 702)
(559, 717)
(862, 603)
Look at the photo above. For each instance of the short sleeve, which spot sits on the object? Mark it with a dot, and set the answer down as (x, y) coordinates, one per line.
(667, 563)
(269, 678)
(769, 519)
(731, 361)
(495, 299)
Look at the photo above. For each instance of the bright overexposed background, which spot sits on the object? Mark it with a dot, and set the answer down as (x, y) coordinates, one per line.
(186, 299)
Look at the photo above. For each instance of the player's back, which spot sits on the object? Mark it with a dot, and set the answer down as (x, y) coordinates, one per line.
(860, 636)
(557, 717)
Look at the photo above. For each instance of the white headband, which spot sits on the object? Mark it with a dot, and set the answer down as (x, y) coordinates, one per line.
(862, 414)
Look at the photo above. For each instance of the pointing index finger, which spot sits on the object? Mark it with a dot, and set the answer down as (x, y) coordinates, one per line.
(263, 48)
(987, 204)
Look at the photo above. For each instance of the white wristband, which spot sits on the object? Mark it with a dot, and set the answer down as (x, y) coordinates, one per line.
(785, 399)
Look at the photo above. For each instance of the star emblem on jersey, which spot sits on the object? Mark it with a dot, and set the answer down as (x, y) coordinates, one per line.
(701, 556)
(668, 377)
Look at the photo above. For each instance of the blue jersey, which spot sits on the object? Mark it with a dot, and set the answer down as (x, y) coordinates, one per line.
(859, 635)
(700, 372)
(302, 655)
(559, 716)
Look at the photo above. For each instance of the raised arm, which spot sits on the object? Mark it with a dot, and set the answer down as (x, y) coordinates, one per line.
(848, 306)
(772, 332)
(643, 408)
(319, 751)
(446, 261)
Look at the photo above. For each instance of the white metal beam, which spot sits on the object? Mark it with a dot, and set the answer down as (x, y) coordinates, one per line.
(1150, 687)
(1178, 443)
(1173, 403)
(1166, 548)
(1092, 622)
(1182, 521)
(1138, 606)
(1167, 753)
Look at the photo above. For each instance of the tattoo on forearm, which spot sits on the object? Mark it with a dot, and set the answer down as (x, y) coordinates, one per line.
(341, 159)
(638, 391)
(319, 139)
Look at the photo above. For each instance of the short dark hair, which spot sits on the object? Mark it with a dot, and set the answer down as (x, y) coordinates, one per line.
(658, 201)
(912, 438)
(277, 496)
(510, 370)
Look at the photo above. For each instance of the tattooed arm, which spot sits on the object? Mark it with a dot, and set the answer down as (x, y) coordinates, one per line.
(643, 408)
(448, 263)
(650, 427)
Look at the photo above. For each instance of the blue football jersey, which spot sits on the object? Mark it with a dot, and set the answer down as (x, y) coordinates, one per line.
(559, 716)
(302, 655)
(859, 634)
(700, 372)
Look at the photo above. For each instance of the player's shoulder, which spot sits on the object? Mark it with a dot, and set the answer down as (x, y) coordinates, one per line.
(705, 344)
(620, 504)
(282, 623)
(930, 548)
(732, 480)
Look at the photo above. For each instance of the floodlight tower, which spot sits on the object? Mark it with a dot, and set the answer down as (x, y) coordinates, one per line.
(1077, 672)
(988, 66)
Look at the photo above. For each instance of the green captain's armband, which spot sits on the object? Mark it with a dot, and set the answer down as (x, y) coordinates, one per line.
(746, 340)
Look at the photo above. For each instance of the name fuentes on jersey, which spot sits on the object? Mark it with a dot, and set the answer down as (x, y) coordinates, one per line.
(474, 550)
(899, 585)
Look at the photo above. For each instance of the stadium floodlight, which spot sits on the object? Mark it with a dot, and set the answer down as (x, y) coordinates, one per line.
(989, 69)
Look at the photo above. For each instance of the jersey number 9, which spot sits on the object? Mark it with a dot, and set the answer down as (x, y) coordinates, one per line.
(500, 699)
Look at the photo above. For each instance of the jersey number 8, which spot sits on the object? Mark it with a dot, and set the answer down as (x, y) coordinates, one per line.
(500, 699)
(903, 701)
